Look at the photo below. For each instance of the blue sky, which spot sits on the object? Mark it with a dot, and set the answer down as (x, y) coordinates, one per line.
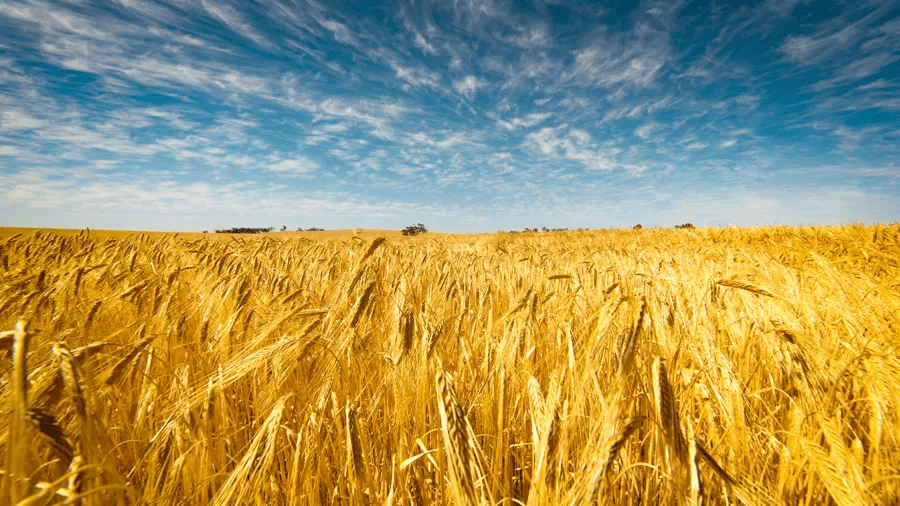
(465, 115)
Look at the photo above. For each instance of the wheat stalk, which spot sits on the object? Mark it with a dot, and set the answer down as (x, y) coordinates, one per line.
(69, 371)
(619, 441)
(544, 421)
(675, 451)
(356, 464)
(837, 468)
(627, 350)
(91, 315)
(75, 482)
(16, 475)
(362, 304)
(407, 331)
(124, 362)
(374, 246)
(256, 463)
(460, 449)
(744, 285)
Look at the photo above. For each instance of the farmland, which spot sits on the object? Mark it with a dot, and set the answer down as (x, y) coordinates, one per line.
(713, 366)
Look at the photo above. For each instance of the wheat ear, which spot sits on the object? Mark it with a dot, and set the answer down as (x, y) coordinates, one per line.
(675, 452)
(460, 448)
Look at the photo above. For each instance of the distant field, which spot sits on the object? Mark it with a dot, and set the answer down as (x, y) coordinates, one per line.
(713, 366)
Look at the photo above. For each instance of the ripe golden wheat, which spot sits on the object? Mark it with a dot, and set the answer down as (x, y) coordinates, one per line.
(724, 366)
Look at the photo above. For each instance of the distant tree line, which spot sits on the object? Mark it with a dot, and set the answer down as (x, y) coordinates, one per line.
(252, 230)
(545, 229)
(245, 230)
(415, 229)
(542, 229)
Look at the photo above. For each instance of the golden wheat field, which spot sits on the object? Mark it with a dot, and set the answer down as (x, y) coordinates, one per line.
(708, 366)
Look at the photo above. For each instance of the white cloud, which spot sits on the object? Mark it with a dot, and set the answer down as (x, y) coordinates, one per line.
(339, 31)
(294, 166)
(472, 13)
(636, 61)
(812, 49)
(468, 86)
(579, 136)
(577, 146)
(536, 36)
(418, 77)
(56, 19)
(423, 44)
(808, 50)
(228, 16)
(851, 138)
(545, 140)
(71, 39)
(69, 202)
(7, 150)
(527, 121)
(376, 113)
(18, 120)
(422, 139)
(644, 131)
(858, 68)
(590, 159)
(75, 137)
(876, 84)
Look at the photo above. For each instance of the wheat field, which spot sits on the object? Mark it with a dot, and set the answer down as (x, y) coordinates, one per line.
(708, 366)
